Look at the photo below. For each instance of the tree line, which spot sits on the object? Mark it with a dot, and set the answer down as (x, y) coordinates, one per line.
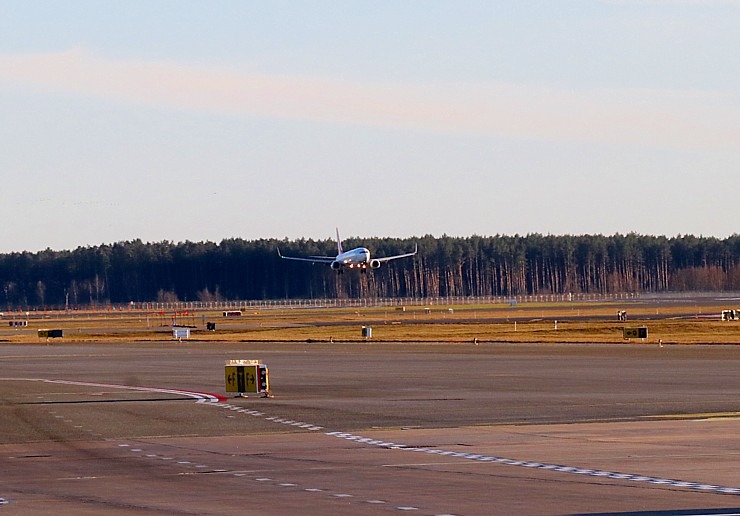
(444, 266)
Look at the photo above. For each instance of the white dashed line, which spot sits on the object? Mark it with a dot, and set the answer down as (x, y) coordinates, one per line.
(512, 462)
(551, 467)
(213, 401)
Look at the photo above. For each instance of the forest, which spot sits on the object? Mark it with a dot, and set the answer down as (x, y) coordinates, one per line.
(237, 269)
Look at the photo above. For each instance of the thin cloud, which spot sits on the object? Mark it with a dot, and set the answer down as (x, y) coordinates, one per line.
(643, 117)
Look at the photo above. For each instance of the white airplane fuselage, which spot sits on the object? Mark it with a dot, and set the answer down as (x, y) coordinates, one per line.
(359, 257)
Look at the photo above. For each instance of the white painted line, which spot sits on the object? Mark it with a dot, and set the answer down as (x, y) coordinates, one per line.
(512, 462)
(201, 397)
(550, 467)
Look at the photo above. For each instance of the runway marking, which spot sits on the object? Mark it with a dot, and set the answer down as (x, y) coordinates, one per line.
(337, 495)
(200, 397)
(214, 400)
(696, 486)
(268, 480)
(701, 416)
(711, 488)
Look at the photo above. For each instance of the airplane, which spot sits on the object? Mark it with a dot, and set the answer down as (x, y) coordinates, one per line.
(355, 258)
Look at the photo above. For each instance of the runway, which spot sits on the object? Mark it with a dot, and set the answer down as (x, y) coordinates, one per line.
(370, 429)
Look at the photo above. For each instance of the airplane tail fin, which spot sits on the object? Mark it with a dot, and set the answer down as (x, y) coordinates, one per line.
(339, 244)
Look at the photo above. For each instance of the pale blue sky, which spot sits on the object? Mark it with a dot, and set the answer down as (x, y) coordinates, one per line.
(190, 120)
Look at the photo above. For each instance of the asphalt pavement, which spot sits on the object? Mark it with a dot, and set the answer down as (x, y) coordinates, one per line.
(370, 428)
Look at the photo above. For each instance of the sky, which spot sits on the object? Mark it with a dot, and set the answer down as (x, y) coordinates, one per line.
(183, 120)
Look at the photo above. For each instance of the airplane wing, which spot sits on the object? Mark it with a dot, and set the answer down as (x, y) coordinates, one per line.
(312, 259)
(389, 258)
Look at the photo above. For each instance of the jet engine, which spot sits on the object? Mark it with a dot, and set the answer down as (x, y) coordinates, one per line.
(374, 264)
(336, 265)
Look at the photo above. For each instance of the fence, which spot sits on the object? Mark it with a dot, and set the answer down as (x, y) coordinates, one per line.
(269, 304)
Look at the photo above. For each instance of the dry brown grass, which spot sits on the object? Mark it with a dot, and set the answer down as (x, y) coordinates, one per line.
(577, 323)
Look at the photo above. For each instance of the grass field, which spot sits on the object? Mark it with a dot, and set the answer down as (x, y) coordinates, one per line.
(669, 323)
